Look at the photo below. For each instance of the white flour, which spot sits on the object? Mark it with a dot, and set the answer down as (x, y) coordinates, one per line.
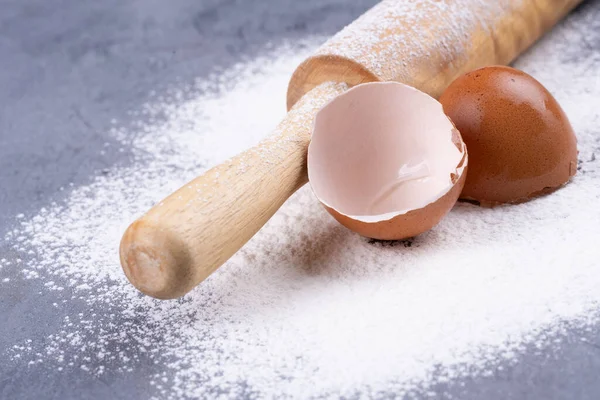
(449, 27)
(308, 308)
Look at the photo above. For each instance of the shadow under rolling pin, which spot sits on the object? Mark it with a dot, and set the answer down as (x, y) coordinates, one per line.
(422, 43)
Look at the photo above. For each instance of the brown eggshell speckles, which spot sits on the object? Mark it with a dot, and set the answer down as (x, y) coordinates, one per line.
(386, 161)
(520, 141)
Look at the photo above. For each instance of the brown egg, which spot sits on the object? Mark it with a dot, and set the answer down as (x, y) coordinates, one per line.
(386, 161)
(520, 141)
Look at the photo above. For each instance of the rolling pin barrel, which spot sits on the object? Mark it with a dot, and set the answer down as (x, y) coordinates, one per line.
(427, 43)
(423, 43)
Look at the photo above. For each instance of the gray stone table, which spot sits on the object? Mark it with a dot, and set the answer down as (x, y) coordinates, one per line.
(68, 67)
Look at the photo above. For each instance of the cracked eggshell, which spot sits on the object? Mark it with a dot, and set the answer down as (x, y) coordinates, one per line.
(386, 161)
(520, 141)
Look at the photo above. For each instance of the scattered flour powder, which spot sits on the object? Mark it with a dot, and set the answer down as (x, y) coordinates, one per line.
(307, 308)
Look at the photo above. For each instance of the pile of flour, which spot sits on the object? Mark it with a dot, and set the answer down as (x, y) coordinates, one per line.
(308, 308)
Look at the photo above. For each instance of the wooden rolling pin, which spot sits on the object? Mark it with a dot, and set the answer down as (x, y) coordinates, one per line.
(423, 43)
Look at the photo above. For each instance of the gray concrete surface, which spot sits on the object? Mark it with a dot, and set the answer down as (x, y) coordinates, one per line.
(67, 67)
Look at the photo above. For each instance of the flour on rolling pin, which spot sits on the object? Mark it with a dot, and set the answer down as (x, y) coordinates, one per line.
(272, 151)
(439, 40)
(300, 116)
(362, 40)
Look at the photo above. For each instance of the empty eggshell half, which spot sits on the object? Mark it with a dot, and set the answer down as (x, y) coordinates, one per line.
(386, 161)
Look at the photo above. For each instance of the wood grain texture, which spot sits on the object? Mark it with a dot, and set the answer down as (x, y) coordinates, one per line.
(188, 235)
(428, 44)
(182, 240)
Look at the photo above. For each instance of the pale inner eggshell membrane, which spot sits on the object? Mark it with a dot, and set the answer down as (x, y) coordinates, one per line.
(383, 149)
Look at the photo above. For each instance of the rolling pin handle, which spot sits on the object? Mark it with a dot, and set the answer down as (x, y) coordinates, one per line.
(187, 236)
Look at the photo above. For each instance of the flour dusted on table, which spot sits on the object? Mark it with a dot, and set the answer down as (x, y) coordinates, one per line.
(308, 308)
